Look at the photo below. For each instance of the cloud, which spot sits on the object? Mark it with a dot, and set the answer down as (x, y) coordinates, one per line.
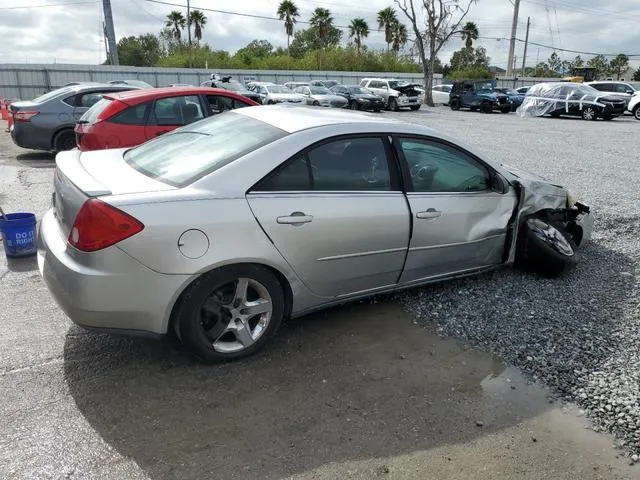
(73, 33)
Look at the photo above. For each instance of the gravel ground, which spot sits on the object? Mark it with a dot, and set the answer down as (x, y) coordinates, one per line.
(578, 334)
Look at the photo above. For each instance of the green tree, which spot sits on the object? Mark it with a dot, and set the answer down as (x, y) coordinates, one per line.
(199, 20)
(308, 40)
(387, 18)
(469, 34)
(176, 22)
(399, 36)
(141, 51)
(288, 12)
(577, 62)
(600, 64)
(322, 21)
(255, 49)
(555, 64)
(619, 65)
(358, 29)
(636, 75)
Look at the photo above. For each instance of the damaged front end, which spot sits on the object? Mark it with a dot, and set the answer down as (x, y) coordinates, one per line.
(539, 198)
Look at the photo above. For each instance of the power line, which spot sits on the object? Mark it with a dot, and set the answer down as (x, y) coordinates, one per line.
(565, 49)
(50, 5)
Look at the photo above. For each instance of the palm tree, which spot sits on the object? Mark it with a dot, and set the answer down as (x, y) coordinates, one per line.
(358, 29)
(322, 21)
(386, 19)
(199, 20)
(399, 36)
(176, 22)
(287, 12)
(469, 34)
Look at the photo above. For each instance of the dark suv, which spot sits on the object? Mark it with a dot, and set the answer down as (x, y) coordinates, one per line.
(478, 95)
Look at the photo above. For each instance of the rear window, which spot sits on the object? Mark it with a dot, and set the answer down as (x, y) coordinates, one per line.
(91, 115)
(187, 154)
(52, 94)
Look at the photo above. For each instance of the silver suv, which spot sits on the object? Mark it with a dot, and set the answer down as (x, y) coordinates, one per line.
(396, 93)
(617, 89)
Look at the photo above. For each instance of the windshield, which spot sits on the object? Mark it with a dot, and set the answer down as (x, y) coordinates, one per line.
(358, 90)
(319, 91)
(53, 94)
(181, 157)
(397, 83)
(277, 89)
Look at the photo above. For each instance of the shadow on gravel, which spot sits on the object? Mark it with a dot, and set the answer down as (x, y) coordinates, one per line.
(37, 159)
(27, 264)
(356, 382)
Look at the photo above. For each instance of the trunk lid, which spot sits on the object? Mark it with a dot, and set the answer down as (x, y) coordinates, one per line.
(83, 175)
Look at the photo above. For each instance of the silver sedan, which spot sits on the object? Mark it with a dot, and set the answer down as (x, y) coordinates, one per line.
(223, 228)
(319, 96)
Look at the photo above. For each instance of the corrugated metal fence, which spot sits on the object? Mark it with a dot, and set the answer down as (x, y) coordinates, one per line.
(27, 81)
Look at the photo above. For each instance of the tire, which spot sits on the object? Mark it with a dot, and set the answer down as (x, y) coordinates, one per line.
(64, 140)
(506, 110)
(636, 112)
(377, 110)
(555, 115)
(485, 107)
(354, 105)
(415, 107)
(608, 117)
(544, 246)
(454, 104)
(211, 321)
(393, 105)
(589, 113)
(271, 102)
(316, 103)
(473, 109)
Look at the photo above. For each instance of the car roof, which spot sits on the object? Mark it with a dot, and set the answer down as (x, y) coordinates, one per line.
(292, 118)
(149, 94)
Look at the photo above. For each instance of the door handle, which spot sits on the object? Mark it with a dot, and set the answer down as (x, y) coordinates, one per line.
(296, 218)
(429, 213)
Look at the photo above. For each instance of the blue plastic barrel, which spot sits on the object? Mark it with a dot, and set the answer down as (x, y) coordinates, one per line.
(19, 234)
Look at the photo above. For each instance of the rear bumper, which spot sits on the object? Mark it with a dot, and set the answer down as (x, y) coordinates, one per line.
(26, 135)
(106, 290)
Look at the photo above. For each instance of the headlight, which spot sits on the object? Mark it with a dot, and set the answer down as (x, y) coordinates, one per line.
(571, 199)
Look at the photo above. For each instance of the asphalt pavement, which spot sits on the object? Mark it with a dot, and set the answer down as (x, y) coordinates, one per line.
(361, 391)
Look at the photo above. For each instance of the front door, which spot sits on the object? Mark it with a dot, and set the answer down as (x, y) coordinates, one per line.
(337, 215)
(469, 95)
(459, 222)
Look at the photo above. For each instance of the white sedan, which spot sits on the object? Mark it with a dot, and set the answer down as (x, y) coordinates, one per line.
(441, 93)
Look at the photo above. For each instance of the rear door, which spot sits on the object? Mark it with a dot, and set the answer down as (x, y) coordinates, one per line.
(459, 221)
(337, 215)
(469, 95)
(170, 113)
(126, 128)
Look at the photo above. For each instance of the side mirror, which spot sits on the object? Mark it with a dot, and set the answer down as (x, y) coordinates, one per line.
(499, 184)
(630, 92)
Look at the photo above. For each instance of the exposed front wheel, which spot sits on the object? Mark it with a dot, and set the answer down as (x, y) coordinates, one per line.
(230, 313)
(393, 104)
(454, 104)
(589, 113)
(544, 246)
(485, 107)
(636, 112)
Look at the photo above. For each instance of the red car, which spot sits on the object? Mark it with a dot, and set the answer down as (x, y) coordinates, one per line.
(127, 119)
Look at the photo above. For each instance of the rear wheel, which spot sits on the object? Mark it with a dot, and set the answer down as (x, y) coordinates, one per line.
(636, 112)
(230, 313)
(65, 140)
(589, 113)
(454, 103)
(545, 246)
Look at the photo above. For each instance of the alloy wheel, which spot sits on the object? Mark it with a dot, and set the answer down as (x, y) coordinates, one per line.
(236, 315)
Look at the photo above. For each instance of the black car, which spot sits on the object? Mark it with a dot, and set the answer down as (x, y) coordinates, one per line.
(478, 95)
(359, 98)
(573, 99)
(228, 83)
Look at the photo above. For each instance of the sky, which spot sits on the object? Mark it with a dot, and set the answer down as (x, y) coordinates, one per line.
(70, 31)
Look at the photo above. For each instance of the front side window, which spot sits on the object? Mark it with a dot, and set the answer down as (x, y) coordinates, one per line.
(349, 164)
(439, 168)
(181, 157)
(176, 110)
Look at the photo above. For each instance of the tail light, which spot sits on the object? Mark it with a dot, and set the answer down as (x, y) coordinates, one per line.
(24, 116)
(98, 225)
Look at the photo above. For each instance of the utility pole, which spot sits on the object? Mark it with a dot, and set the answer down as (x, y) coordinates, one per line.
(526, 42)
(512, 44)
(189, 32)
(110, 32)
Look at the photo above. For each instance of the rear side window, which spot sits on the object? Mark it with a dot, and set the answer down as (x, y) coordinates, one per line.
(600, 86)
(180, 110)
(90, 99)
(221, 103)
(181, 157)
(132, 116)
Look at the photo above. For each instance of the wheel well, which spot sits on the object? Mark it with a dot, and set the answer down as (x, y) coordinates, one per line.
(284, 283)
(55, 135)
